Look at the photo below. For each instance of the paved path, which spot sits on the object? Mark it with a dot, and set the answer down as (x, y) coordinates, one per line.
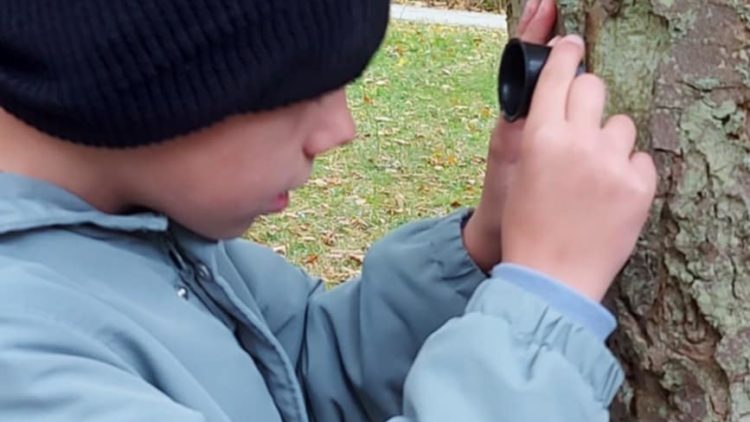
(448, 17)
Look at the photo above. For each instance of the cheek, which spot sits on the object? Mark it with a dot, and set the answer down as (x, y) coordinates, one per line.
(232, 194)
(207, 190)
(243, 177)
(247, 166)
(219, 212)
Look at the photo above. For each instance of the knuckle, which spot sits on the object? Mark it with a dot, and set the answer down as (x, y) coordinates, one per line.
(628, 123)
(565, 52)
(593, 86)
(568, 48)
(592, 82)
(640, 187)
(625, 187)
(545, 135)
(623, 123)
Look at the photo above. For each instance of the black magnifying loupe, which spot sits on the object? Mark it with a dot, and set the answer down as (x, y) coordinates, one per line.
(520, 67)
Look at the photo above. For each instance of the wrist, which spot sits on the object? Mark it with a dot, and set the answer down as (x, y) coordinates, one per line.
(483, 247)
(580, 280)
(577, 307)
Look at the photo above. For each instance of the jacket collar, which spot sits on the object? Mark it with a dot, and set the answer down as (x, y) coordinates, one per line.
(27, 204)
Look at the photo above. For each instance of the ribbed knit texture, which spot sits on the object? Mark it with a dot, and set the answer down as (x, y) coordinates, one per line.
(125, 73)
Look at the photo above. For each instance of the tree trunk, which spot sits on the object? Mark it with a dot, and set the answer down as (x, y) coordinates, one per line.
(682, 69)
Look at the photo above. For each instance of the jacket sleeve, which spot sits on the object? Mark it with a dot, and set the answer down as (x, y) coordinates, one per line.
(361, 338)
(52, 372)
(511, 357)
(354, 344)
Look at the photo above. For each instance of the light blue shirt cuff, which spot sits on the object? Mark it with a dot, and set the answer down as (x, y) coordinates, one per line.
(570, 303)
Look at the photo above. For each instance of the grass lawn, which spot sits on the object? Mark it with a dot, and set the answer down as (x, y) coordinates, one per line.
(496, 6)
(424, 111)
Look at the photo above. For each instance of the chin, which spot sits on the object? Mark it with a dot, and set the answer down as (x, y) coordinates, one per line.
(225, 231)
(215, 225)
(236, 232)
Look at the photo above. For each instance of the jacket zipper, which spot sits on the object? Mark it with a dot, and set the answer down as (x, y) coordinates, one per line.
(187, 273)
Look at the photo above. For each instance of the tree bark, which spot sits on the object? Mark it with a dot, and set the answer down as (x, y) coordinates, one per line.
(682, 69)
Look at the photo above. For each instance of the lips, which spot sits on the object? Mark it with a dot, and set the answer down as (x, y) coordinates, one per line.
(281, 202)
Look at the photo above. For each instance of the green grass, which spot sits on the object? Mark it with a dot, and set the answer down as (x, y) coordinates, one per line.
(424, 110)
(497, 6)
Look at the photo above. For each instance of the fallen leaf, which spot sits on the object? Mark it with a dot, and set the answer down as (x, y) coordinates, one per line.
(358, 258)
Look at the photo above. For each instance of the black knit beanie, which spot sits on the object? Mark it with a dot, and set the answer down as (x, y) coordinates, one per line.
(126, 73)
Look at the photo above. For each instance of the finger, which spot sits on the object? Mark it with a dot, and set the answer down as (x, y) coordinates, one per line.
(621, 133)
(529, 10)
(551, 94)
(586, 100)
(540, 24)
(643, 165)
(553, 41)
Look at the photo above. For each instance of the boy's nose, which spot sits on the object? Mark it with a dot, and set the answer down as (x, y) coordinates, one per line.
(334, 125)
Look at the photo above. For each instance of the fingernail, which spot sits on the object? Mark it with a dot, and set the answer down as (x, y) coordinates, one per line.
(575, 39)
(529, 10)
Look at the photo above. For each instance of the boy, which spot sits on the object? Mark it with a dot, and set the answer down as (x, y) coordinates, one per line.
(140, 139)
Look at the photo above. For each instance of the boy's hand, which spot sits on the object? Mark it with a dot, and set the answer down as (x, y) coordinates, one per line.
(482, 231)
(579, 197)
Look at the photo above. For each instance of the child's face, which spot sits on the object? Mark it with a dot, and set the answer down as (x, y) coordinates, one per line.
(217, 181)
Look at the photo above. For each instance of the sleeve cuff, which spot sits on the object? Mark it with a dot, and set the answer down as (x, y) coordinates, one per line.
(540, 326)
(450, 254)
(580, 309)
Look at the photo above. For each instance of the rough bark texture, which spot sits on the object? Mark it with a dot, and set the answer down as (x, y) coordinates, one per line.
(682, 68)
